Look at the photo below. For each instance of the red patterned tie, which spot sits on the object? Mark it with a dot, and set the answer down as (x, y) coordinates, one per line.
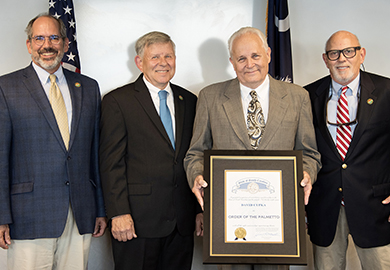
(344, 133)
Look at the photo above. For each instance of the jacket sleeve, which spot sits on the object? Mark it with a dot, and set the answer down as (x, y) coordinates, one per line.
(5, 148)
(112, 154)
(305, 139)
(201, 140)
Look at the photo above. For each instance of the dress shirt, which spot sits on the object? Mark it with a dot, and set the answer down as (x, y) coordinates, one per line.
(353, 99)
(153, 90)
(44, 78)
(262, 95)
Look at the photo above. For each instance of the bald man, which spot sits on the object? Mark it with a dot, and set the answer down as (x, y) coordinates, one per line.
(351, 115)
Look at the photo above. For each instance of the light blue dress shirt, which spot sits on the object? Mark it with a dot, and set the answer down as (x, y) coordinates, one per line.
(353, 94)
(43, 76)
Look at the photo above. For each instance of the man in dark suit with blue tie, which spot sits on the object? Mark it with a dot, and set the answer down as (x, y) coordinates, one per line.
(51, 200)
(146, 128)
(351, 114)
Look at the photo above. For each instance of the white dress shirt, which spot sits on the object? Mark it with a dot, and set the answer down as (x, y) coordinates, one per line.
(153, 90)
(262, 95)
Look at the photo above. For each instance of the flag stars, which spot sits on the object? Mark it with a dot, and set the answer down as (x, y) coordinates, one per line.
(51, 4)
(67, 10)
(72, 23)
(71, 56)
(64, 10)
(56, 15)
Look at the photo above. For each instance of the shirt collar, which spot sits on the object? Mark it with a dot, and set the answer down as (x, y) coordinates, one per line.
(43, 75)
(154, 90)
(262, 90)
(354, 86)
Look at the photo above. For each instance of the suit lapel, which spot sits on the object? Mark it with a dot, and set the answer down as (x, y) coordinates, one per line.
(234, 111)
(34, 86)
(179, 115)
(75, 89)
(276, 113)
(364, 110)
(319, 103)
(143, 96)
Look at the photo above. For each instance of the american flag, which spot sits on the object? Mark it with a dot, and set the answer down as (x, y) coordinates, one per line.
(278, 36)
(63, 9)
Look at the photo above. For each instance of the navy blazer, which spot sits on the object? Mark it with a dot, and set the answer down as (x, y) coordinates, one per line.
(142, 174)
(363, 178)
(39, 178)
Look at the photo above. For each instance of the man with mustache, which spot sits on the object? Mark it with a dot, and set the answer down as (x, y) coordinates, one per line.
(351, 196)
(51, 200)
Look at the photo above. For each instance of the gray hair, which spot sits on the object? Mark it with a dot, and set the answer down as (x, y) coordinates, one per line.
(246, 30)
(152, 38)
(61, 25)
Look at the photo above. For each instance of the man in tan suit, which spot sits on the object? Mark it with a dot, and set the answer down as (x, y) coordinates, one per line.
(222, 114)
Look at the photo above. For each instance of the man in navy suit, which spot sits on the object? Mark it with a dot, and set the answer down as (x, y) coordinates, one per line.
(351, 195)
(148, 200)
(51, 200)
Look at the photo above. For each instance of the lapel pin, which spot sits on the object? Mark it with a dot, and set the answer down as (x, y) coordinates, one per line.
(77, 84)
(370, 101)
(180, 97)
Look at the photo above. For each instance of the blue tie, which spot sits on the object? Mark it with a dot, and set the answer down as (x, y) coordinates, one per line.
(165, 116)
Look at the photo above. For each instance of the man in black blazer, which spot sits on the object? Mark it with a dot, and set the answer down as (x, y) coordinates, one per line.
(351, 195)
(148, 200)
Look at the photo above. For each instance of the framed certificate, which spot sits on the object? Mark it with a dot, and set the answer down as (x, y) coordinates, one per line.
(254, 207)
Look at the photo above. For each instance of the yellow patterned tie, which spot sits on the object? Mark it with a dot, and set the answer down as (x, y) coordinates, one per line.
(59, 109)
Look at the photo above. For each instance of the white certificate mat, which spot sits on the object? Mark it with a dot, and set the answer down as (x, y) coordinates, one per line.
(253, 206)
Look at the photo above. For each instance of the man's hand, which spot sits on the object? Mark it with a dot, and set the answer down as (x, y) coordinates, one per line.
(5, 238)
(387, 201)
(197, 189)
(199, 224)
(100, 226)
(306, 184)
(122, 228)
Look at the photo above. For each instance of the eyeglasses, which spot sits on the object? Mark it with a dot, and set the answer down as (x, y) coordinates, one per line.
(349, 52)
(341, 124)
(40, 40)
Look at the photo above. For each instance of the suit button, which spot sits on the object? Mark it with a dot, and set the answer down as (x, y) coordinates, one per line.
(344, 166)
(340, 189)
(67, 183)
(69, 158)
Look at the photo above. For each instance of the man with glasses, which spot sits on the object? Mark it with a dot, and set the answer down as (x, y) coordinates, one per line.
(51, 201)
(351, 114)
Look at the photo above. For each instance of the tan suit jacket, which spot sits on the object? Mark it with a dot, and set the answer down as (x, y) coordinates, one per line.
(220, 124)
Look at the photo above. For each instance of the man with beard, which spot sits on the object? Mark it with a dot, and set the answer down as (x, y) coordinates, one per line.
(351, 196)
(51, 200)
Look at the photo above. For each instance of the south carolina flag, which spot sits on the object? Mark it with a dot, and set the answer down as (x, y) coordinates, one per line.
(278, 35)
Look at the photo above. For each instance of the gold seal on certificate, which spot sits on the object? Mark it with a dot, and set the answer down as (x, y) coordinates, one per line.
(240, 233)
(253, 188)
